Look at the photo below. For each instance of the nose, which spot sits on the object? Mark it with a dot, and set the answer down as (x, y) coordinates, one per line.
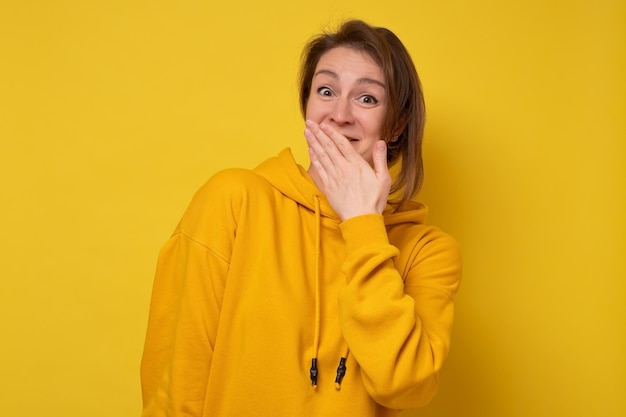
(341, 113)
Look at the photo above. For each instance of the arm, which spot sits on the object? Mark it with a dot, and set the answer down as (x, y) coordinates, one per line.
(181, 329)
(398, 331)
(398, 328)
(185, 307)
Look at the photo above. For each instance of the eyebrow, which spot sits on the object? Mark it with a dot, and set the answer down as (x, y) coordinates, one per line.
(364, 80)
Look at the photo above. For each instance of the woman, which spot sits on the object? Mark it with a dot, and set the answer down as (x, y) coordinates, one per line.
(319, 292)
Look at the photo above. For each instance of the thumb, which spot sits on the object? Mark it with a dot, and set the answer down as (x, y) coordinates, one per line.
(379, 157)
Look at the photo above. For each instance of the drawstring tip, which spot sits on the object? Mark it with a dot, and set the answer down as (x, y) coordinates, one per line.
(341, 372)
(313, 372)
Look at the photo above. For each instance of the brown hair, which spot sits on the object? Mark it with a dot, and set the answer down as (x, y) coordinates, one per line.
(404, 123)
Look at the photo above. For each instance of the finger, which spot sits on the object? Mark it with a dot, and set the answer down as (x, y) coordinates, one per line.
(379, 157)
(318, 154)
(319, 174)
(329, 146)
(341, 142)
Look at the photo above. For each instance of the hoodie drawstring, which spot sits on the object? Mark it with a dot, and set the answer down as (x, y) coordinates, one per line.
(316, 331)
(341, 368)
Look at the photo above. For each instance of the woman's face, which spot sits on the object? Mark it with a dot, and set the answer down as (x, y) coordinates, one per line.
(348, 92)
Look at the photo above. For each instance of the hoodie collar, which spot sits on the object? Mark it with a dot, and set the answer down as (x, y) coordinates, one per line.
(292, 180)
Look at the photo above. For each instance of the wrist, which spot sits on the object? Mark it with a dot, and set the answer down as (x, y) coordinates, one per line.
(364, 230)
(347, 215)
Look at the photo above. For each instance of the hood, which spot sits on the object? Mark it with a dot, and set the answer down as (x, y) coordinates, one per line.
(293, 181)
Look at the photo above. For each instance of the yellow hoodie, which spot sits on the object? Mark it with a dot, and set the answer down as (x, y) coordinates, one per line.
(261, 276)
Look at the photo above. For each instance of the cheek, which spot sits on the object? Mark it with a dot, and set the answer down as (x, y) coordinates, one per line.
(317, 109)
(312, 111)
(377, 123)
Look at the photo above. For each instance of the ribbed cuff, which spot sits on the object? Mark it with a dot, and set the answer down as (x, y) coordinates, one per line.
(365, 230)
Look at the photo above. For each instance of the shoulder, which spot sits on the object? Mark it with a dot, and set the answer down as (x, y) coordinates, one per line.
(434, 260)
(407, 229)
(223, 197)
(436, 241)
(422, 239)
(426, 249)
(230, 184)
(232, 179)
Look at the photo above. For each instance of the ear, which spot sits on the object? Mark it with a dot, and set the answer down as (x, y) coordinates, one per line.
(399, 128)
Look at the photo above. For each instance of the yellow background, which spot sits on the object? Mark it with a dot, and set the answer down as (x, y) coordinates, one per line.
(112, 113)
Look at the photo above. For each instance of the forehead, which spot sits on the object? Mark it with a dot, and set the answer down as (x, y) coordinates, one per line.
(350, 62)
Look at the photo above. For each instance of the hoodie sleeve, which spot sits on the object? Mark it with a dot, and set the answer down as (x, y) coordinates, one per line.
(185, 307)
(398, 329)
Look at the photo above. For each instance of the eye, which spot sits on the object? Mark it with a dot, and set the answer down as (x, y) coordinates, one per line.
(325, 91)
(369, 100)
